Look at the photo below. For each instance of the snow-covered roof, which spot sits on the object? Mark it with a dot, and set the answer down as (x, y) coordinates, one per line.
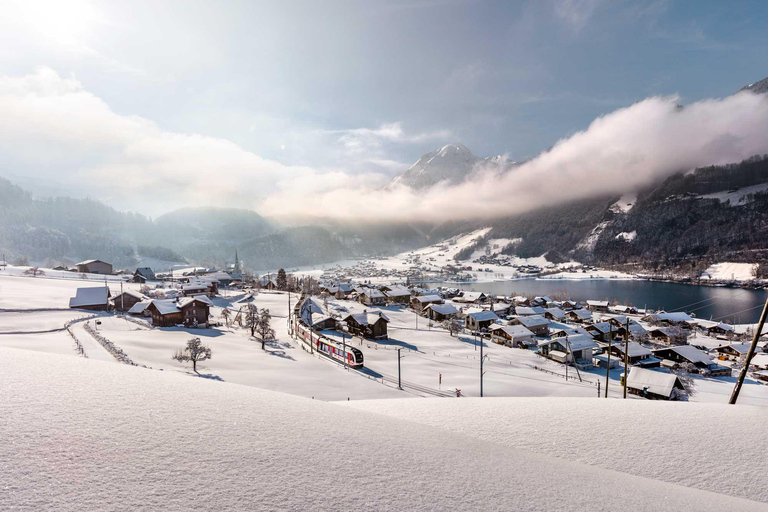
(657, 382)
(138, 308)
(581, 313)
(368, 317)
(165, 306)
(556, 312)
(398, 293)
(690, 353)
(514, 331)
(635, 349)
(88, 262)
(94, 296)
(675, 317)
(532, 321)
(482, 316)
(528, 310)
(443, 309)
(741, 348)
(373, 293)
(424, 299)
(598, 303)
(132, 294)
(580, 342)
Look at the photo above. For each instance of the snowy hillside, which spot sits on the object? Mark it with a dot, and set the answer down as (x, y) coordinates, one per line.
(149, 440)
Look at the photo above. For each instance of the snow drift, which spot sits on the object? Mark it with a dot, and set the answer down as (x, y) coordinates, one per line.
(80, 434)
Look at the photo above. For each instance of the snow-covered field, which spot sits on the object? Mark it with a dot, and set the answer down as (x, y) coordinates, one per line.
(86, 435)
(730, 272)
(738, 197)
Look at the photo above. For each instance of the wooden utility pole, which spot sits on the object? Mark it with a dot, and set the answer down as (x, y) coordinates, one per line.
(482, 358)
(626, 358)
(399, 380)
(608, 367)
(750, 353)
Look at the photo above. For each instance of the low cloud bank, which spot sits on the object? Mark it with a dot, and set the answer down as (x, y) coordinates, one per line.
(52, 129)
(622, 151)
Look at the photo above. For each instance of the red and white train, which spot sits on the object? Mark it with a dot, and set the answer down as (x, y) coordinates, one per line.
(330, 348)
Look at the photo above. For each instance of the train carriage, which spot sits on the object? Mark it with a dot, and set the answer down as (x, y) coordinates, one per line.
(330, 348)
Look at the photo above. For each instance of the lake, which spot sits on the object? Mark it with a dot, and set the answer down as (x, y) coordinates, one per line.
(729, 305)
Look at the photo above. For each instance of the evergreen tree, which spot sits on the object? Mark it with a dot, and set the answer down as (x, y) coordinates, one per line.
(282, 279)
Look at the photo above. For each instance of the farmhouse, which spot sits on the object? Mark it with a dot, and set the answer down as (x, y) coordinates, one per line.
(686, 354)
(143, 274)
(638, 355)
(537, 324)
(654, 384)
(441, 312)
(480, 320)
(472, 297)
(569, 349)
(578, 315)
(93, 299)
(422, 301)
(139, 309)
(598, 305)
(529, 310)
(196, 288)
(625, 310)
(191, 311)
(94, 267)
(512, 335)
(126, 300)
(735, 352)
(368, 324)
(677, 318)
(668, 335)
(713, 328)
(397, 294)
(555, 314)
(372, 297)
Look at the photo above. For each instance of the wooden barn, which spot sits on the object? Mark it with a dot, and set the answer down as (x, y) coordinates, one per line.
(126, 300)
(93, 299)
(94, 267)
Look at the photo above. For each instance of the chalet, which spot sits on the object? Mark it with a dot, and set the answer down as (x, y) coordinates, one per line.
(541, 301)
(537, 324)
(677, 318)
(559, 332)
(441, 312)
(472, 297)
(480, 320)
(126, 300)
(655, 384)
(713, 328)
(94, 267)
(638, 355)
(668, 335)
(196, 288)
(636, 331)
(578, 315)
(372, 297)
(397, 294)
(93, 299)
(759, 361)
(686, 354)
(555, 314)
(512, 336)
(567, 304)
(500, 308)
(520, 300)
(529, 310)
(368, 324)
(598, 305)
(569, 349)
(625, 310)
(601, 331)
(267, 283)
(737, 351)
(143, 274)
(221, 278)
(422, 301)
(191, 311)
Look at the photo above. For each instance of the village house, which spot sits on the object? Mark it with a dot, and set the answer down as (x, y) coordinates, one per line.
(520, 300)
(441, 312)
(569, 349)
(140, 308)
(196, 288)
(500, 308)
(368, 324)
(636, 332)
(541, 301)
(537, 324)
(471, 298)
(422, 301)
(669, 319)
(126, 300)
(578, 315)
(711, 328)
(190, 311)
(397, 294)
(567, 304)
(735, 352)
(598, 306)
(668, 335)
(529, 310)
(686, 354)
(372, 297)
(601, 331)
(638, 355)
(555, 314)
(559, 332)
(266, 283)
(480, 320)
(654, 384)
(93, 299)
(625, 310)
(94, 267)
(512, 336)
(143, 274)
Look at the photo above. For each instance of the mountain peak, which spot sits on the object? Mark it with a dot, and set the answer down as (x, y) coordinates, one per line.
(451, 163)
(760, 87)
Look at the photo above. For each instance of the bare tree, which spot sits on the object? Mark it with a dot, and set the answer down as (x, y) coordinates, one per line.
(195, 352)
(263, 328)
(225, 315)
(453, 326)
(34, 272)
(252, 318)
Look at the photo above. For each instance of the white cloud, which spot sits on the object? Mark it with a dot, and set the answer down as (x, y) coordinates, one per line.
(575, 13)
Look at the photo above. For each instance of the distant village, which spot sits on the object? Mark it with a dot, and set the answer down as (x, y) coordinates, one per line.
(658, 350)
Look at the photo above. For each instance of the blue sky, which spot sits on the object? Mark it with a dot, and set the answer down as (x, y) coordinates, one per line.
(366, 87)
